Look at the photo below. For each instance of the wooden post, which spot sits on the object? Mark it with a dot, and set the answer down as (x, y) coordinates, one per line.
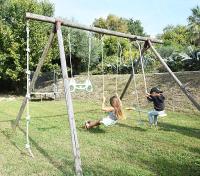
(36, 73)
(128, 82)
(87, 28)
(182, 87)
(69, 105)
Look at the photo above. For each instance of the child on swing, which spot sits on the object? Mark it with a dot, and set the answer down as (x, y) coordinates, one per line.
(114, 113)
(156, 96)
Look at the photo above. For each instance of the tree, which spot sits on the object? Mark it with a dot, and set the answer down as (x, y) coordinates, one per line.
(111, 44)
(112, 22)
(135, 27)
(178, 41)
(80, 49)
(115, 23)
(13, 37)
(194, 26)
(176, 36)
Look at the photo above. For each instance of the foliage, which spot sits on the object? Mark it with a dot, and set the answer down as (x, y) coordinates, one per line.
(13, 36)
(117, 53)
(115, 23)
(111, 44)
(112, 22)
(177, 40)
(176, 36)
(186, 60)
(79, 41)
(191, 60)
(135, 27)
(13, 43)
(194, 26)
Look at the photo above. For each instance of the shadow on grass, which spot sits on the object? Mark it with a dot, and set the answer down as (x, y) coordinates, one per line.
(191, 132)
(91, 130)
(172, 166)
(47, 128)
(6, 120)
(51, 160)
(8, 136)
(194, 150)
(64, 114)
(48, 116)
(43, 99)
(37, 117)
(105, 171)
(96, 130)
(131, 127)
(61, 166)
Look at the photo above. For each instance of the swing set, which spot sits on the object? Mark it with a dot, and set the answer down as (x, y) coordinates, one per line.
(138, 108)
(77, 86)
(87, 85)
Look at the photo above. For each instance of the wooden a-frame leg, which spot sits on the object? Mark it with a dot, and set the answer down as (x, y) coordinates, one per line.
(35, 76)
(182, 87)
(69, 105)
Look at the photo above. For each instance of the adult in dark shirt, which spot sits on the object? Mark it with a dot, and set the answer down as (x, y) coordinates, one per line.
(155, 96)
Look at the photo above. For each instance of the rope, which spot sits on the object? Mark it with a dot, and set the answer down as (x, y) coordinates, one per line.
(70, 54)
(142, 66)
(28, 90)
(89, 52)
(119, 56)
(102, 66)
(135, 85)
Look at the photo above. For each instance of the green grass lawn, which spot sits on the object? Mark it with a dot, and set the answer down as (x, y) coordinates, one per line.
(121, 150)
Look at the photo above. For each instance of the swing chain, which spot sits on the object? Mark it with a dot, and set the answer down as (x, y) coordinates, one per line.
(119, 55)
(70, 54)
(142, 66)
(135, 85)
(102, 65)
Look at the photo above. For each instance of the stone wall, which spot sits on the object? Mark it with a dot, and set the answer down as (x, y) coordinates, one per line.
(175, 99)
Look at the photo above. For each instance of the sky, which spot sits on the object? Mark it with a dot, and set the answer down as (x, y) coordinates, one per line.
(155, 15)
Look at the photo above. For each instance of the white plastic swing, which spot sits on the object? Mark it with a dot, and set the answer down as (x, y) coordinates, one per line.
(86, 85)
(162, 114)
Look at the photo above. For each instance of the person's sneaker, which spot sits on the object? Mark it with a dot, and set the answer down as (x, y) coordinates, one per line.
(87, 125)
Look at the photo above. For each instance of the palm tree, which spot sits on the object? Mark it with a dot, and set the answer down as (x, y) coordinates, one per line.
(194, 25)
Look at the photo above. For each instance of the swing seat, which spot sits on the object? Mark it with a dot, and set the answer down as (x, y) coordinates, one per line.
(87, 85)
(72, 85)
(162, 114)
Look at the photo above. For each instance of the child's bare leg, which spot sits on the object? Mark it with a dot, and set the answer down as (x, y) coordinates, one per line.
(94, 123)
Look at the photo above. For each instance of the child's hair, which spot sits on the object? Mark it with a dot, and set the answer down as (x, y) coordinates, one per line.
(116, 104)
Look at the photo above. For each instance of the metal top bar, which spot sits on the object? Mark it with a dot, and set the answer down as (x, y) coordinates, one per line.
(89, 28)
